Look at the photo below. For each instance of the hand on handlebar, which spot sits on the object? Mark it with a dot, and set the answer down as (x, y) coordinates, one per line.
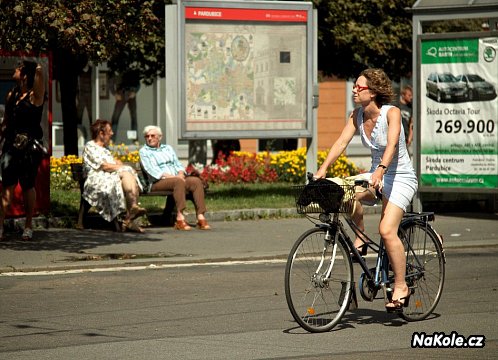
(376, 184)
(318, 175)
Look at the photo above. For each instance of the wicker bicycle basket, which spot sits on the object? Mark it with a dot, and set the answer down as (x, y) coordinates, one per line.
(324, 197)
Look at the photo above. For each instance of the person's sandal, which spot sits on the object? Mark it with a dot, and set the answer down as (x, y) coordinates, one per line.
(136, 211)
(399, 304)
(203, 225)
(129, 225)
(182, 225)
(27, 234)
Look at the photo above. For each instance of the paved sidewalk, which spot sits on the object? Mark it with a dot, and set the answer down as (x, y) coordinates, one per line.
(65, 249)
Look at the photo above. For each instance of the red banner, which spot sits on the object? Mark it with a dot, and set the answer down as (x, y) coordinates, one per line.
(225, 14)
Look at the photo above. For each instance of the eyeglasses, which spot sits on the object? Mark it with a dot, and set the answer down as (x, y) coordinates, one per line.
(150, 136)
(359, 88)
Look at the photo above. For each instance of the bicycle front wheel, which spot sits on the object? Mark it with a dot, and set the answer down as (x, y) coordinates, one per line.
(318, 280)
(425, 267)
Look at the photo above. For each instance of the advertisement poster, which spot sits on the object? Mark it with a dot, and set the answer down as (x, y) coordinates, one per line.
(459, 113)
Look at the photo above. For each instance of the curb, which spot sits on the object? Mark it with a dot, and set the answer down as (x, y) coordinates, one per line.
(17, 224)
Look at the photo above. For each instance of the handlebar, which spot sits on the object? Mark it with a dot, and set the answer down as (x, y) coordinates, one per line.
(358, 182)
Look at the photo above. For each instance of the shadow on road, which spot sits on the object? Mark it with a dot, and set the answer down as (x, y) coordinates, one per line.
(73, 241)
(359, 317)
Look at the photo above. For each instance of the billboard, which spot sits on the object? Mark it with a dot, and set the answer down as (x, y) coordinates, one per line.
(246, 69)
(459, 112)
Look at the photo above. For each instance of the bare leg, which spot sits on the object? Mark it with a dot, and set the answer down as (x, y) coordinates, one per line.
(29, 206)
(388, 229)
(131, 192)
(7, 194)
(130, 189)
(357, 215)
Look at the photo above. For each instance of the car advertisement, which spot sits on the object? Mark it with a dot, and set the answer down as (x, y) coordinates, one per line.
(459, 113)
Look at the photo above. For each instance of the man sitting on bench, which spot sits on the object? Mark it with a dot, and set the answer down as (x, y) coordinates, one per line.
(162, 166)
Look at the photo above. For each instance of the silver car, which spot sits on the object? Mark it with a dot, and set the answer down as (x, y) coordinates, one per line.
(445, 87)
(477, 87)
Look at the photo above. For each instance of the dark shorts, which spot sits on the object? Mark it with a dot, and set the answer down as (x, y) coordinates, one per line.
(19, 168)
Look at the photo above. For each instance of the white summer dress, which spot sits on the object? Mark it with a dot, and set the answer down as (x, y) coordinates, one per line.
(400, 180)
(103, 189)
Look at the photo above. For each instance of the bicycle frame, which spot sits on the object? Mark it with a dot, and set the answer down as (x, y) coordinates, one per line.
(380, 276)
(319, 275)
(333, 227)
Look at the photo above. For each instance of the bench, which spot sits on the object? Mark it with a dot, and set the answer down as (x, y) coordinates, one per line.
(168, 214)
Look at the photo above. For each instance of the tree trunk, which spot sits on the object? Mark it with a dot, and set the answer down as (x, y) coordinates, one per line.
(67, 70)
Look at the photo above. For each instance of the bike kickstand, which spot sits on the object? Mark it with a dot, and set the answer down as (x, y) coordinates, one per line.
(353, 304)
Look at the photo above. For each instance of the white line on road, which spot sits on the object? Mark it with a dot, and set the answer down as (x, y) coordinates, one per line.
(142, 267)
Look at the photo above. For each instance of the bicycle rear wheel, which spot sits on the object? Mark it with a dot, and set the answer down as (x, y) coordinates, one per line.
(425, 267)
(318, 280)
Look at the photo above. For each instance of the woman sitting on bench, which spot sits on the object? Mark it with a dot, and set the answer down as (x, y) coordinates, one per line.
(112, 187)
(161, 164)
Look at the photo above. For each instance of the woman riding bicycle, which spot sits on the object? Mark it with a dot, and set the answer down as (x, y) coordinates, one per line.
(391, 173)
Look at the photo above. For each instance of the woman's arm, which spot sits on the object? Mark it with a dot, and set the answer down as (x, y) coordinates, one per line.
(176, 162)
(38, 87)
(340, 145)
(110, 167)
(99, 158)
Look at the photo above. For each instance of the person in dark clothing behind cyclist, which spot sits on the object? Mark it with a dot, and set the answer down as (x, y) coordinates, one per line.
(405, 105)
(23, 114)
(391, 172)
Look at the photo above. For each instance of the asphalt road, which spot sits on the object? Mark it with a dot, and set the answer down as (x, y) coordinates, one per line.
(231, 311)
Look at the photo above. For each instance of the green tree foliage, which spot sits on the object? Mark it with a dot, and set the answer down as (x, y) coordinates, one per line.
(354, 35)
(127, 34)
(453, 25)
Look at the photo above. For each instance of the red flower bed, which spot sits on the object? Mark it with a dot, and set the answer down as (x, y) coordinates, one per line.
(238, 169)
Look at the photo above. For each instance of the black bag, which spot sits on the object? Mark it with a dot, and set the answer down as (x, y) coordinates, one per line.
(24, 144)
(327, 194)
(21, 142)
(144, 179)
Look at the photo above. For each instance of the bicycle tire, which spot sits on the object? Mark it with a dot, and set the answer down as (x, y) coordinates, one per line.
(425, 269)
(318, 303)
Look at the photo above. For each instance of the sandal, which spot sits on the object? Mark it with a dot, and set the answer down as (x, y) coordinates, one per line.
(182, 225)
(27, 234)
(398, 304)
(133, 227)
(203, 225)
(136, 211)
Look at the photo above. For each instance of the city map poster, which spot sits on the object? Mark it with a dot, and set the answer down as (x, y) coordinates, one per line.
(245, 69)
(459, 113)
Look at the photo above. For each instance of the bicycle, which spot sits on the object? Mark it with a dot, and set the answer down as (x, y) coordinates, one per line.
(319, 284)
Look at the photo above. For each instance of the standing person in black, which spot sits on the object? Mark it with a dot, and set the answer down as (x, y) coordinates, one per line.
(405, 105)
(22, 133)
